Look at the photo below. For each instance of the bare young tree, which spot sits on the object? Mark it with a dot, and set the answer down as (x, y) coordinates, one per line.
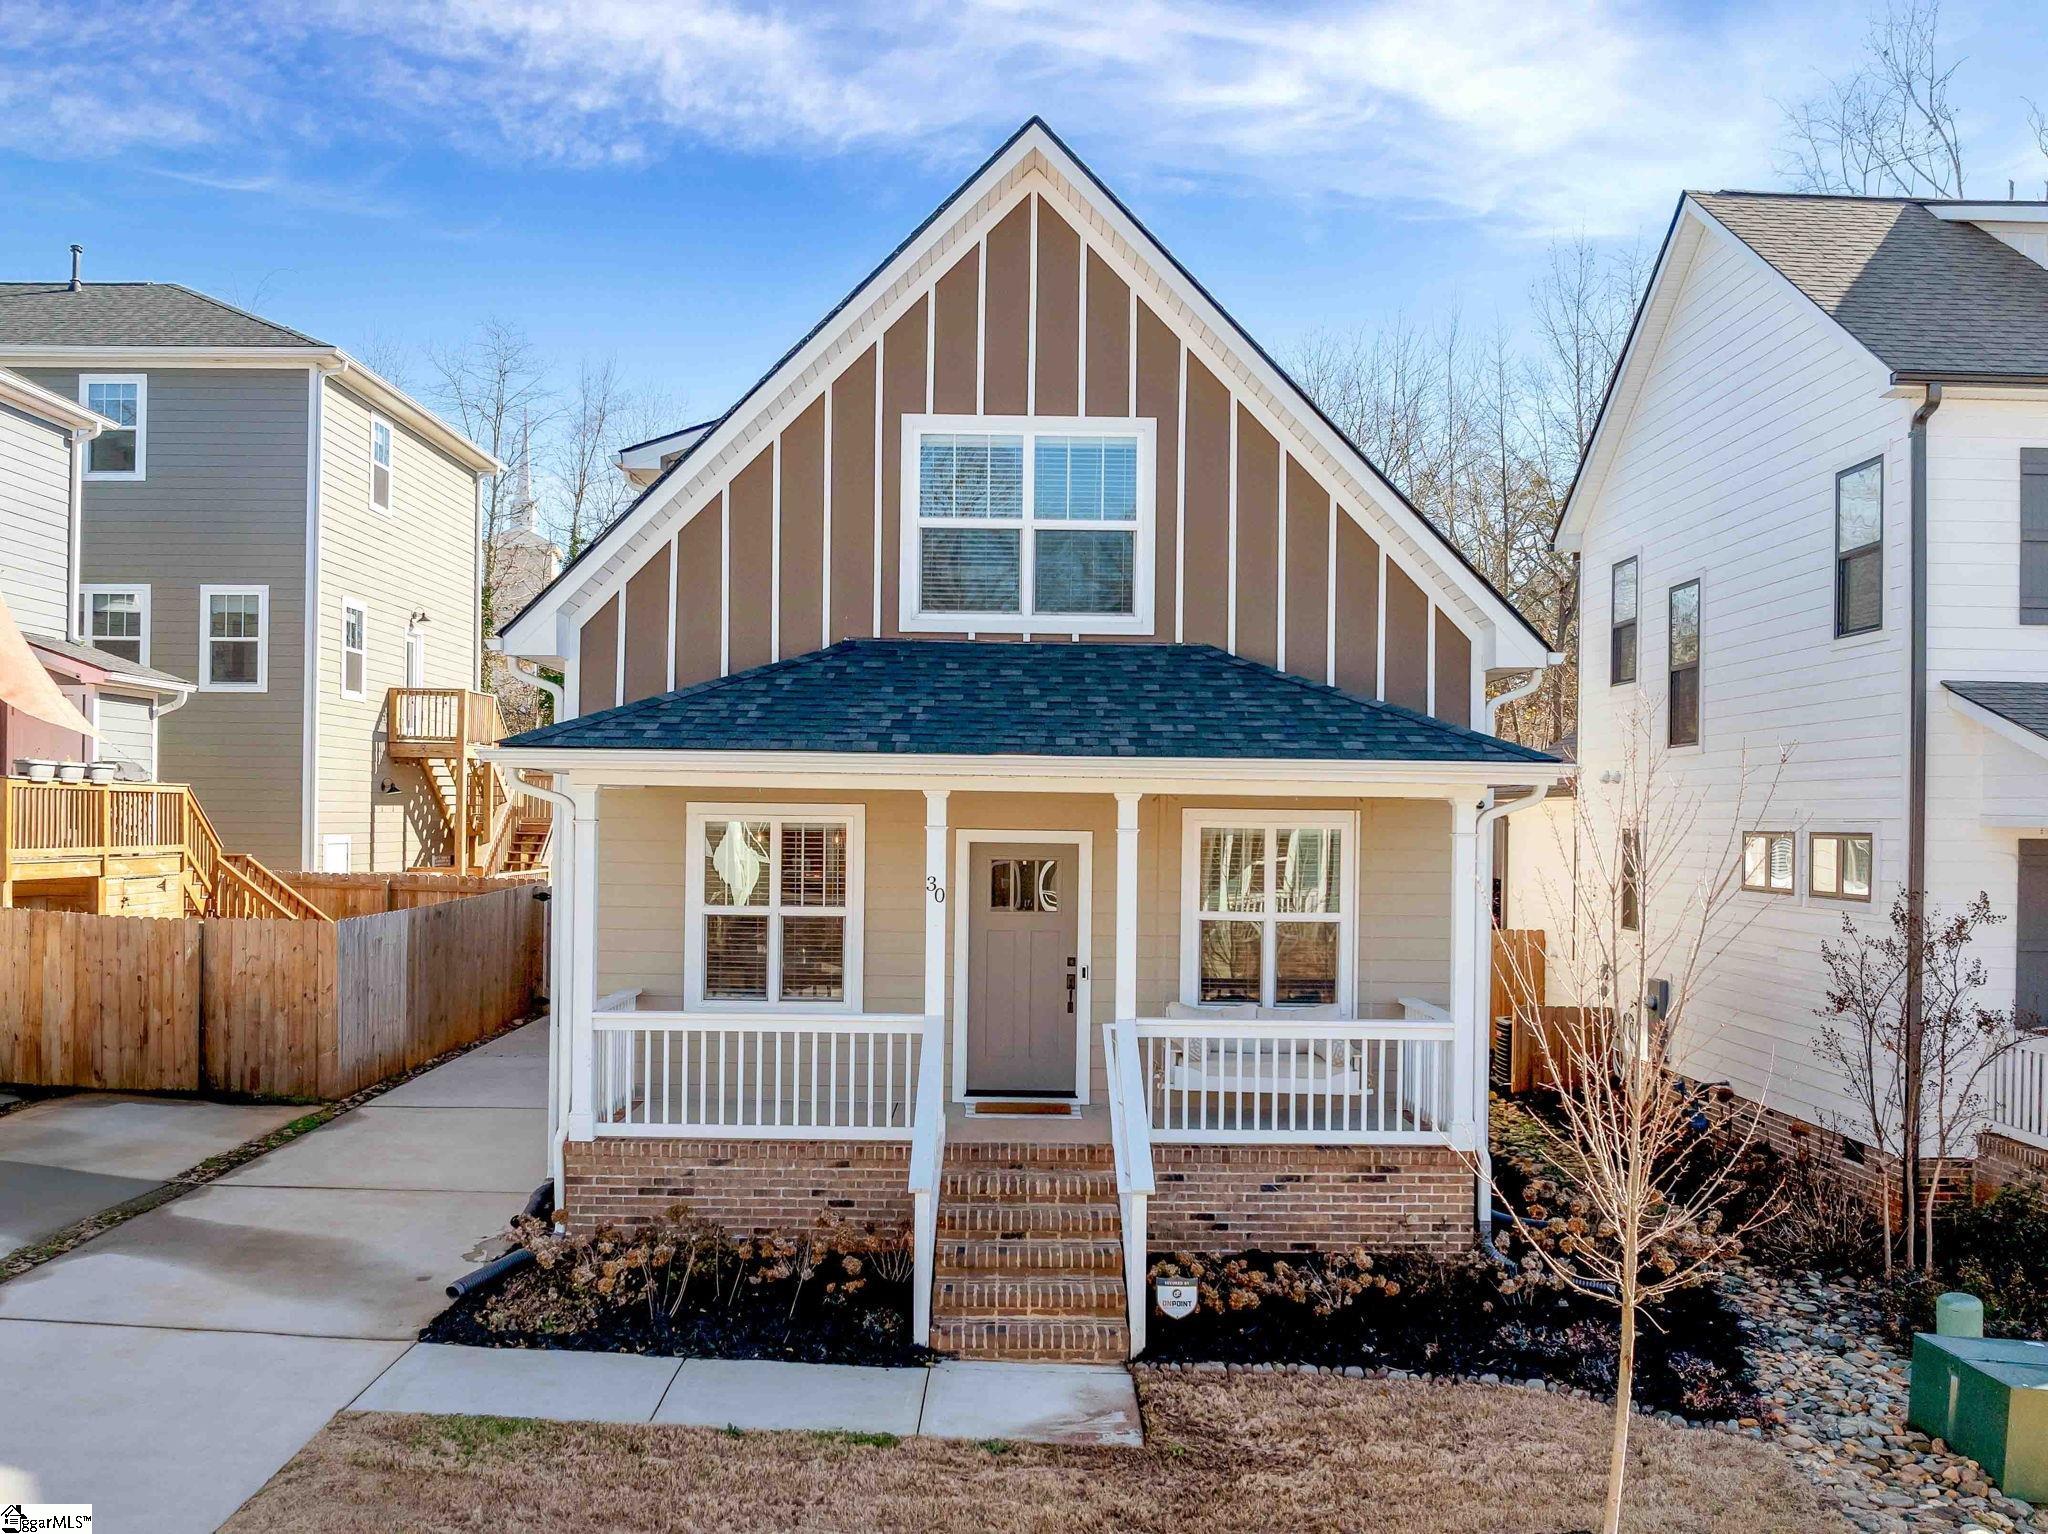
(1888, 126)
(1641, 1205)
(1958, 1043)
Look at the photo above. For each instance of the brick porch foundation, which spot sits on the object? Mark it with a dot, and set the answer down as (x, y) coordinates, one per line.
(2002, 1163)
(1310, 1198)
(750, 1187)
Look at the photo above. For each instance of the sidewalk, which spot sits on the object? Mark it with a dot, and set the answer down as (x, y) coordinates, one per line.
(165, 1370)
(1038, 1403)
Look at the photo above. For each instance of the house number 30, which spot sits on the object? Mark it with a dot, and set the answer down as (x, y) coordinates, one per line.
(938, 890)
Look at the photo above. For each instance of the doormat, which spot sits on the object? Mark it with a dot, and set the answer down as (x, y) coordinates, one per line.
(986, 1110)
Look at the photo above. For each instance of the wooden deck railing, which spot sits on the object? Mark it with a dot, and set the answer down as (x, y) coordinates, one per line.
(441, 728)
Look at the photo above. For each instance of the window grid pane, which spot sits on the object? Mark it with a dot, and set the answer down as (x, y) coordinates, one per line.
(813, 958)
(963, 474)
(814, 866)
(1233, 869)
(1083, 572)
(1230, 961)
(736, 863)
(736, 957)
(1304, 964)
(970, 570)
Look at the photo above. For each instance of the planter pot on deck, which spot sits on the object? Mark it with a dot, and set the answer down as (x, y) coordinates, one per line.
(71, 772)
(37, 770)
(101, 772)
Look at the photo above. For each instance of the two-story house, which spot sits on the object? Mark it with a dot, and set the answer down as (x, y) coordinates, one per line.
(267, 516)
(1023, 773)
(1813, 518)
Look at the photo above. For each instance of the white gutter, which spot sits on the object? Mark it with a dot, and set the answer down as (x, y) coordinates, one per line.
(309, 701)
(1535, 675)
(524, 669)
(1482, 1212)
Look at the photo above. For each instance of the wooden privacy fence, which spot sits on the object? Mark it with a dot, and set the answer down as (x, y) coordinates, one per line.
(270, 1008)
(1535, 1047)
(343, 895)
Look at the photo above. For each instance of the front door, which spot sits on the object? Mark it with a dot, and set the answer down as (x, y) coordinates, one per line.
(1021, 973)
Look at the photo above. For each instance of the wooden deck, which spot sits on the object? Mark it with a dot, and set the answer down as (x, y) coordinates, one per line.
(492, 825)
(130, 849)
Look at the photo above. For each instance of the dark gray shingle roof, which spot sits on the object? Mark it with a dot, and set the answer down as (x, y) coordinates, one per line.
(1926, 295)
(2022, 703)
(962, 698)
(105, 660)
(130, 314)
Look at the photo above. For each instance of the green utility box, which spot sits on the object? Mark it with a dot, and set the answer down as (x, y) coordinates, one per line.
(1988, 1398)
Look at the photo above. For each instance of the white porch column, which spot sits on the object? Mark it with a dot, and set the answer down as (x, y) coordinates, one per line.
(1466, 919)
(580, 984)
(1126, 907)
(935, 918)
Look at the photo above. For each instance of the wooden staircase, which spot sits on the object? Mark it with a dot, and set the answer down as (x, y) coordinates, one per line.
(1030, 1255)
(492, 826)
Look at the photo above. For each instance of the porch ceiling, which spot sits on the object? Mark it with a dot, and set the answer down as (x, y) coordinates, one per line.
(1103, 703)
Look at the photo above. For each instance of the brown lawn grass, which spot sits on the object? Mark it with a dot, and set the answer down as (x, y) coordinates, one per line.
(1235, 1453)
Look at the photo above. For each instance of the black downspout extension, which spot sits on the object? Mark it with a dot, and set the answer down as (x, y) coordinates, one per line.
(1916, 823)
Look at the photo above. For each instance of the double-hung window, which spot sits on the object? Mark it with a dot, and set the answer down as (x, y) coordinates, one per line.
(1032, 523)
(1838, 864)
(1267, 917)
(1859, 549)
(234, 638)
(1682, 707)
(116, 619)
(773, 914)
(1767, 862)
(120, 451)
(380, 463)
(355, 646)
(1621, 628)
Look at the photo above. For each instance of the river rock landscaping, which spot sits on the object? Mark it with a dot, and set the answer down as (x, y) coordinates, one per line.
(680, 1288)
(1834, 1392)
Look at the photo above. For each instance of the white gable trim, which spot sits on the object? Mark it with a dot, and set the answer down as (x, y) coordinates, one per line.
(1035, 162)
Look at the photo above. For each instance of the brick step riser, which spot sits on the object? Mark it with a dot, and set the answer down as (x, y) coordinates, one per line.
(1053, 1256)
(1027, 1157)
(1033, 1296)
(1035, 1222)
(1000, 1186)
(1034, 1341)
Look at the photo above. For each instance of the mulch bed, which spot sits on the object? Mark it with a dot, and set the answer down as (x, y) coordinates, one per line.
(1450, 1318)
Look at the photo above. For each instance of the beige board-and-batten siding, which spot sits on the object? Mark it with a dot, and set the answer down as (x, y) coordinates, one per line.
(419, 557)
(799, 545)
(1404, 889)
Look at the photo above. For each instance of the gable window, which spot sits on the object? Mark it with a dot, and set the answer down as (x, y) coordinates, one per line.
(355, 645)
(1682, 709)
(1621, 633)
(380, 463)
(1859, 549)
(1767, 862)
(773, 916)
(1838, 864)
(1027, 523)
(234, 638)
(119, 451)
(1267, 917)
(116, 619)
(1631, 892)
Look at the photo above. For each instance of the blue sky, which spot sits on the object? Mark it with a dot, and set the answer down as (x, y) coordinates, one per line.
(686, 186)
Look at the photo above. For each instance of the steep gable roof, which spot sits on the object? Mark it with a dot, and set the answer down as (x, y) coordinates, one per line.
(1928, 295)
(953, 698)
(131, 314)
(1034, 138)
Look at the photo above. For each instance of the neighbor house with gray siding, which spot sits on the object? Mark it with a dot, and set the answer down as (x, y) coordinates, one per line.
(268, 517)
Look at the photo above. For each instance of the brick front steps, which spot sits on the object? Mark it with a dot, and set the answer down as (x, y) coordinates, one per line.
(1030, 1255)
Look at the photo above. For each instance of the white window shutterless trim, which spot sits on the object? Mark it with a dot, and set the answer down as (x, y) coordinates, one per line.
(1273, 823)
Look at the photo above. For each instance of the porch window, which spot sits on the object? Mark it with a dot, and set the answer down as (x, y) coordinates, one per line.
(773, 909)
(1029, 523)
(1269, 911)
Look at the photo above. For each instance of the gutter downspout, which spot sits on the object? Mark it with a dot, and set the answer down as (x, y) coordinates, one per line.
(1482, 1212)
(1534, 679)
(1916, 810)
(561, 976)
(309, 700)
(524, 669)
(74, 556)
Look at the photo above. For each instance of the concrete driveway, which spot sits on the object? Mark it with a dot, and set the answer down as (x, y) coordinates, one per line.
(210, 1338)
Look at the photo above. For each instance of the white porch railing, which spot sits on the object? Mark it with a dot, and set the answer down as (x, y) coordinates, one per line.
(762, 1077)
(927, 1161)
(1130, 1136)
(1379, 1082)
(2019, 1093)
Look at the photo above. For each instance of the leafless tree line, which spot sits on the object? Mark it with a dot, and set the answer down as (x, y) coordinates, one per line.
(1482, 430)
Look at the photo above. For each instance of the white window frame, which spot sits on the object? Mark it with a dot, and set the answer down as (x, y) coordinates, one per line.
(357, 605)
(141, 469)
(854, 818)
(206, 596)
(1194, 822)
(415, 644)
(390, 469)
(911, 620)
(87, 593)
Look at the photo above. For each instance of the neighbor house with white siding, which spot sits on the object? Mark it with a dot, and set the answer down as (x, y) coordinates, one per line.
(1813, 520)
(268, 517)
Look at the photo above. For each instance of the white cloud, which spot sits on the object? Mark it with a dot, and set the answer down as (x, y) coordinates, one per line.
(1573, 114)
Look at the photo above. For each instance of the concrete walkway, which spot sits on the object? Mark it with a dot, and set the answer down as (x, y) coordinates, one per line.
(164, 1371)
(70, 1157)
(1040, 1403)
